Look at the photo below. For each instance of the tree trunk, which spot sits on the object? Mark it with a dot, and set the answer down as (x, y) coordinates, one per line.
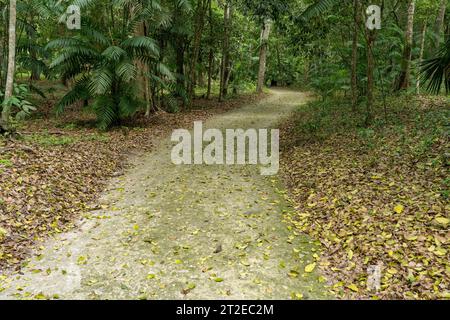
(6, 112)
(180, 48)
(403, 80)
(439, 24)
(265, 33)
(199, 24)
(211, 52)
(35, 75)
(370, 79)
(142, 79)
(210, 69)
(2, 54)
(354, 79)
(422, 50)
(225, 62)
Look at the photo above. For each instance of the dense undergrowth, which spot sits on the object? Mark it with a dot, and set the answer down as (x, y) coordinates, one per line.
(374, 196)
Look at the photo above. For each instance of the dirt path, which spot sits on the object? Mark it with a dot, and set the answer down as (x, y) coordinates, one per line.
(181, 232)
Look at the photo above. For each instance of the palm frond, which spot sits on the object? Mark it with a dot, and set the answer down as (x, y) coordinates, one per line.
(114, 53)
(318, 8)
(126, 71)
(436, 71)
(104, 107)
(141, 46)
(79, 92)
(101, 81)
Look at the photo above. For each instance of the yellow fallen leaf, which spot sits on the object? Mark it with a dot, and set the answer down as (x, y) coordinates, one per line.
(353, 287)
(350, 254)
(40, 296)
(443, 221)
(298, 296)
(392, 271)
(245, 263)
(310, 267)
(440, 252)
(399, 208)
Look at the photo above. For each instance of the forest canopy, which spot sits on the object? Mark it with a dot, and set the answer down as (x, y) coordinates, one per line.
(121, 57)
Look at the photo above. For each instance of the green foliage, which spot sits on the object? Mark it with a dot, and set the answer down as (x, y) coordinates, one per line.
(20, 106)
(331, 80)
(318, 8)
(437, 70)
(417, 130)
(6, 162)
(310, 47)
(103, 70)
(48, 140)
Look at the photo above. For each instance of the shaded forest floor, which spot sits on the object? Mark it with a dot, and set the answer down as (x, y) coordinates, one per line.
(56, 171)
(374, 196)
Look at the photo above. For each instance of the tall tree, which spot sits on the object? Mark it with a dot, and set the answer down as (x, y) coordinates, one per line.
(211, 51)
(265, 12)
(6, 112)
(439, 24)
(225, 67)
(354, 79)
(403, 80)
(265, 33)
(142, 78)
(370, 75)
(199, 24)
(422, 51)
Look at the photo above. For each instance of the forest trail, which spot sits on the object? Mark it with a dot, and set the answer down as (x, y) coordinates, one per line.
(181, 232)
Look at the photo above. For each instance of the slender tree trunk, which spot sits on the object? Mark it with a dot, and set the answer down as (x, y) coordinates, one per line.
(278, 80)
(200, 12)
(210, 70)
(225, 61)
(265, 33)
(354, 79)
(1, 60)
(143, 69)
(403, 80)
(439, 24)
(227, 71)
(422, 50)
(370, 77)
(211, 52)
(6, 112)
(180, 48)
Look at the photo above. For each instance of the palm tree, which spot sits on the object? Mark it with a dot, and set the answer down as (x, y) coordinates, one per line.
(102, 65)
(437, 70)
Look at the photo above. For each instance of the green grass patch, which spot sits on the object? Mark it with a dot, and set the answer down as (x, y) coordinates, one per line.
(49, 140)
(6, 163)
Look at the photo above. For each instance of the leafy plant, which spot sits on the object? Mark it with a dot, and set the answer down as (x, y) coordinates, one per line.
(102, 65)
(437, 70)
(18, 101)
